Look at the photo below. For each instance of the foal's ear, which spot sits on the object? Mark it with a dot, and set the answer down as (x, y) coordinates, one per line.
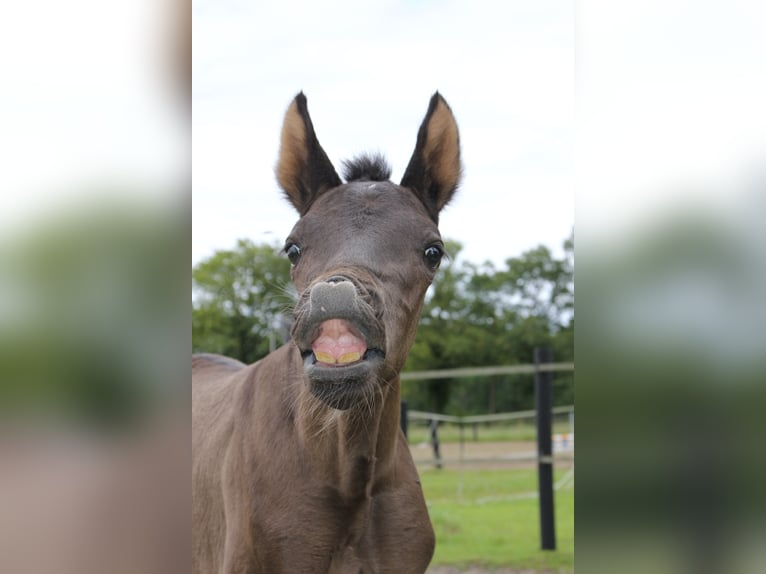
(303, 168)
(434, 169)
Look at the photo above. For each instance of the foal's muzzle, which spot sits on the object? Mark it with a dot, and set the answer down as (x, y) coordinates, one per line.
(341, 339)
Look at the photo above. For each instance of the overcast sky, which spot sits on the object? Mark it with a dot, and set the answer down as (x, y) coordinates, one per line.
(368, 71)
(668, 95)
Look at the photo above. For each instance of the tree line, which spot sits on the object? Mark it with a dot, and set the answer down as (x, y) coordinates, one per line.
(474, 315)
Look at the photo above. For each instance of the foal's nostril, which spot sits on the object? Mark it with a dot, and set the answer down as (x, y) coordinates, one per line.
(335, 279)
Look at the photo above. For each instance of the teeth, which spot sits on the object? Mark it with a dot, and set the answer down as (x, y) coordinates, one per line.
(324, 357)
(344, 359)
(352, 357)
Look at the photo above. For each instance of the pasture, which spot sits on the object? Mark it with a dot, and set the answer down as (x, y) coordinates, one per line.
(489, 518)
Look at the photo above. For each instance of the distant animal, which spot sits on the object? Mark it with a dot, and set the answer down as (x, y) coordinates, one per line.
(299, 462)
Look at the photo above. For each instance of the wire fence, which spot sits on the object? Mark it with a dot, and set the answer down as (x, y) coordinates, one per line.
(486, 440)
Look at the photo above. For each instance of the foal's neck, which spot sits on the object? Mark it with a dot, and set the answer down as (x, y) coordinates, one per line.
(354, 448)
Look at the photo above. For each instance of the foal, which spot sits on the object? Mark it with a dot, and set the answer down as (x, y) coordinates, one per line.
(299, 463)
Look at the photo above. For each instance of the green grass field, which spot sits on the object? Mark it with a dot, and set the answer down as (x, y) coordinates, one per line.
(491, 518)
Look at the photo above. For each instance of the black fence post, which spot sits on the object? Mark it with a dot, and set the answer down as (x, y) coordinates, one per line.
(404, 420)
(434, 427)
(543, 405)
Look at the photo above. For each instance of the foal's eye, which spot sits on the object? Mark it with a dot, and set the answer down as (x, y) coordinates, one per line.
(293, 253)
(433, 256)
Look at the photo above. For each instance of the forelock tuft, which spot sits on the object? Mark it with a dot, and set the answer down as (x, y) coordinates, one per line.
(367, 167)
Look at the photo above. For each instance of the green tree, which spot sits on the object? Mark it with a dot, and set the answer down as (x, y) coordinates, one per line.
(240, 301)
(475, 315)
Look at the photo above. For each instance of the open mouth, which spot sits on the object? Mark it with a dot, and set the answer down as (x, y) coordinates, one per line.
(340, 362)
(338, 344)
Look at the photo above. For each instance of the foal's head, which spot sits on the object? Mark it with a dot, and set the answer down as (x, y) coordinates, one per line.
(363, 252)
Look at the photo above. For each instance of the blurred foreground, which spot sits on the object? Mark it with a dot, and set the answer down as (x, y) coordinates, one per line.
(670, 346)
(94, 248)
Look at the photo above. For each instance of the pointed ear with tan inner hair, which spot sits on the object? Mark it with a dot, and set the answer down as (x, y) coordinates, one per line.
(435, 169)
(303, 168)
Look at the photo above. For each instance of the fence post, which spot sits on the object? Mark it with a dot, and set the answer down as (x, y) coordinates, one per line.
(435, 442)
(404, 420)
(543, 405)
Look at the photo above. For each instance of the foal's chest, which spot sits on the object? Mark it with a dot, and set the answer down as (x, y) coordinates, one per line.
(392, 538)
(373, 537)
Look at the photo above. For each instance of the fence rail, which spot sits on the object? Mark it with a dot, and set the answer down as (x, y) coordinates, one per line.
(497, 417)
(487, 371)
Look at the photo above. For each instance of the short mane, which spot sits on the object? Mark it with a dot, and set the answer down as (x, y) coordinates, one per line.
(367, 167)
